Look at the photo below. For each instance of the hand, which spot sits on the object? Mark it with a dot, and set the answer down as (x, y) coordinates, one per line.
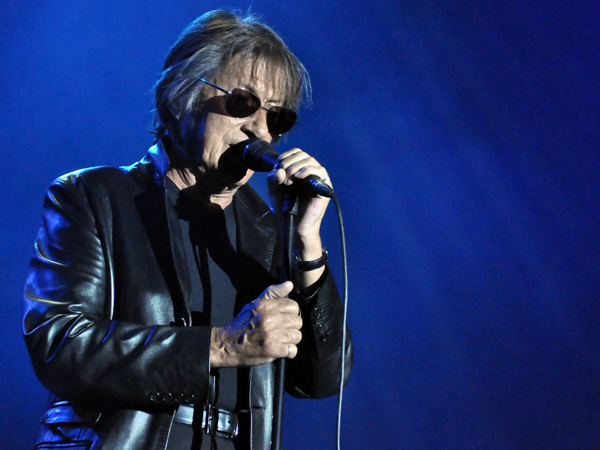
(265, 329)
(295, 165)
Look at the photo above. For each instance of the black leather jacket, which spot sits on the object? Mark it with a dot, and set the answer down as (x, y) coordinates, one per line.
(107, 312)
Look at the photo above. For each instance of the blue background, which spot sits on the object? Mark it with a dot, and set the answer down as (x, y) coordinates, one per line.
(462, 138)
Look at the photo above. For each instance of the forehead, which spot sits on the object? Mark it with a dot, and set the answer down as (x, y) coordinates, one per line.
(266, 80)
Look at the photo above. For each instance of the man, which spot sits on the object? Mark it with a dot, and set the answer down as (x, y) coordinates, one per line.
(152, 310)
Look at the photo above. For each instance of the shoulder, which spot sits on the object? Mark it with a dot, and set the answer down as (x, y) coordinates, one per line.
(97, 176)
(94, 190)
(82, 177)
(103, 180)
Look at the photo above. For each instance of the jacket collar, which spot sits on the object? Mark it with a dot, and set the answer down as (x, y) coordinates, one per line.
(159, 161)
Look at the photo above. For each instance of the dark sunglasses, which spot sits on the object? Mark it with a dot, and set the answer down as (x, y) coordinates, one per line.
(242, 103)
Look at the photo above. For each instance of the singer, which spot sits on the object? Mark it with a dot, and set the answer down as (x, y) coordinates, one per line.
(153, 310)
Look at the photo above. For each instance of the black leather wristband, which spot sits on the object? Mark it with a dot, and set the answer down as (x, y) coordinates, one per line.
(306, 266)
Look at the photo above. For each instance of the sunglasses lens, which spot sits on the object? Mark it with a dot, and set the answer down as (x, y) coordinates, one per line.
(280, 120)
(242, 103)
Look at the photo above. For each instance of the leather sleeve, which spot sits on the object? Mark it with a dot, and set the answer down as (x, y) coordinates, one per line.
(79, 348)
(315, 372)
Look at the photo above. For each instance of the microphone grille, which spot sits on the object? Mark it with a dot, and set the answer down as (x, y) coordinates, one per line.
(259, 156)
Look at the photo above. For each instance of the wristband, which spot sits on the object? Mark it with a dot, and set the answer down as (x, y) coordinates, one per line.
(306, 266)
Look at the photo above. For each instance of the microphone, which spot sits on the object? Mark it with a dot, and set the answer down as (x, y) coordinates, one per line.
(260, 156)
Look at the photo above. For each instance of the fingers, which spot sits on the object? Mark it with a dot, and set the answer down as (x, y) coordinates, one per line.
(269, 338)
(276, 326)
(266, 329)
(296, 164)
(285, 351)
(273, 343)
(272, 318)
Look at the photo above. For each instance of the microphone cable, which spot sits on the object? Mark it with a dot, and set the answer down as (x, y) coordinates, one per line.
(344, 321)
(260, 156)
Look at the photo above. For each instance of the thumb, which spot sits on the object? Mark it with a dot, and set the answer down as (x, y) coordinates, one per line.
(277, 290)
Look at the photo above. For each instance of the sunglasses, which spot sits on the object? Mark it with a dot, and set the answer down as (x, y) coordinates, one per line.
(242, 103)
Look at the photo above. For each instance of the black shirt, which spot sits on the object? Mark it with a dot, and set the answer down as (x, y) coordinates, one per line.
(209, 236)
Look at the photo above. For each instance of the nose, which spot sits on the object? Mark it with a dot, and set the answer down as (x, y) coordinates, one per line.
(256, 125)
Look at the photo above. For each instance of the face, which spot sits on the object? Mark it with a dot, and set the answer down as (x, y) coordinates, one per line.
(209, 134)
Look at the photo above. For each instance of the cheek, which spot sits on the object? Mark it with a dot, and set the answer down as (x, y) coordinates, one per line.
(215, 135)
(219, 128)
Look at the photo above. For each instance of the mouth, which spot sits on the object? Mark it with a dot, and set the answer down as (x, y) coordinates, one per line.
(237, 150)
(231, 161)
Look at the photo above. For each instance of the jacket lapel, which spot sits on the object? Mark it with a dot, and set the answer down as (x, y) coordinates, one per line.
(256, 241)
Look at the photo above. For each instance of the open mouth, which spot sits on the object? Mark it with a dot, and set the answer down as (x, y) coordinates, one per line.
(231, 161)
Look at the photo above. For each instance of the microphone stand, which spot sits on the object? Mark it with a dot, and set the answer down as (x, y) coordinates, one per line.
(289, 211)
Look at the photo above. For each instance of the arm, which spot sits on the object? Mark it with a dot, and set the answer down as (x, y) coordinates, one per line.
(78, 347)
(315, 372)
(266, 327)
(308, 327)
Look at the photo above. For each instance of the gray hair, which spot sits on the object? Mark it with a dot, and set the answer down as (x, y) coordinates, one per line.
(206, 48)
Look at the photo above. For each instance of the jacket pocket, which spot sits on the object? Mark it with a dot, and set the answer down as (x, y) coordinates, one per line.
(64, 413)
(63, 427)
